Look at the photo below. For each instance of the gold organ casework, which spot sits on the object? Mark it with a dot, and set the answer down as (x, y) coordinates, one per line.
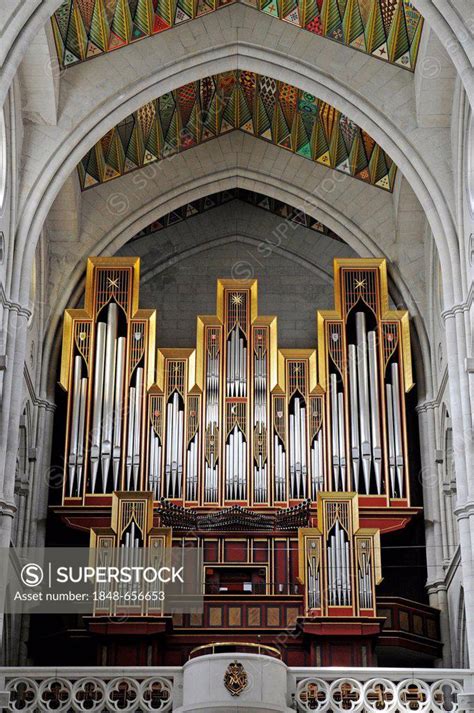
(108, 364)
(238, 425)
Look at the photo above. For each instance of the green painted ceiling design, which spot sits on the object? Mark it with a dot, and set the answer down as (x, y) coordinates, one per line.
(261, 106)
(386, 29)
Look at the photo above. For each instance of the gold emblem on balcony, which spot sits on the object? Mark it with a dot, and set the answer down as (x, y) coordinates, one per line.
(236, 678)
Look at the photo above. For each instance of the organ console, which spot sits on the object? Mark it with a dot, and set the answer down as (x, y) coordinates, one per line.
(285, 463)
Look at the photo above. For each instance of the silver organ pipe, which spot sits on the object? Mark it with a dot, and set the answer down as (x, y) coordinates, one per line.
(260, 424)
(317, 467)
(192, 469)
(339, 568)
(298, 462)
(179, 459)
(314, 596)
(81, 432)
(375, 410)
(332, 572)
(364, 408)
(118, 409)
(297, 454)
(236, 364)
(391, 438)
(304, 465)
(137, 427)
(279, 456)
(339, 565)
(98, 398)
(338, 435)
(154, 468)
(134, 431)
(236, 465)
(364, 391)
(76, 405)
(109, 388)
(106, 432)
(169, 412)
(397, 428)
(174, 447)
(212, 421)
(334, 431)
(354, 402)
(342, 438)
(365, 583)
(292, 456)
(130, 434)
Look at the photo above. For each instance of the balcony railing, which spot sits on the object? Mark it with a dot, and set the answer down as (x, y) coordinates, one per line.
(378, 690)
(91, 690)
(159, 689)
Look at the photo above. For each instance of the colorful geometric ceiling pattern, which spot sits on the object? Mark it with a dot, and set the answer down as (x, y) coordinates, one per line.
(214, 200)
(258, 105)
(387, 29)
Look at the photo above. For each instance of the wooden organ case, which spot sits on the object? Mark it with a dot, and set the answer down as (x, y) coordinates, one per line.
(285, 466)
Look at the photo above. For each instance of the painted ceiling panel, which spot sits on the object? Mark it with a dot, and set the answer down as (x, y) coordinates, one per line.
(387, 29)
(215, 200)
(258, 105)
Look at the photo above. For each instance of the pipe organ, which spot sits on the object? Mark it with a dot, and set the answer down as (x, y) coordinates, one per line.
(340, 563)
(284, 465)
(131, 529)
(365, 369)
(108, 365)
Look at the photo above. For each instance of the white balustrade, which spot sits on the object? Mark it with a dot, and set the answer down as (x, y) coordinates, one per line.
(378, 690)
(160, 689)
(91, 690)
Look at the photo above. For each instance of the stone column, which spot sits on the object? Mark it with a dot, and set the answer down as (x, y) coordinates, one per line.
(16, 326)
(435, 583)
(461, 418)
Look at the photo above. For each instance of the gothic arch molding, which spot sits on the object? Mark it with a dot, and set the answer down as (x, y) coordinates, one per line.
(24, 22)
(46, 185)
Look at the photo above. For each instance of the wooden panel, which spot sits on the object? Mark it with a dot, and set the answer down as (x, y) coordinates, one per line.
(340, 655)
(215, 616)
(273, 616)
(432, 629)
(418, 624)
(294, 588)
(211, 551)
(291, 615)
(195, 620)
(404, 620)
(281, 567)
(235, 551)
(388, 620)
(235, 616)
(254, 616)
(260, 551)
